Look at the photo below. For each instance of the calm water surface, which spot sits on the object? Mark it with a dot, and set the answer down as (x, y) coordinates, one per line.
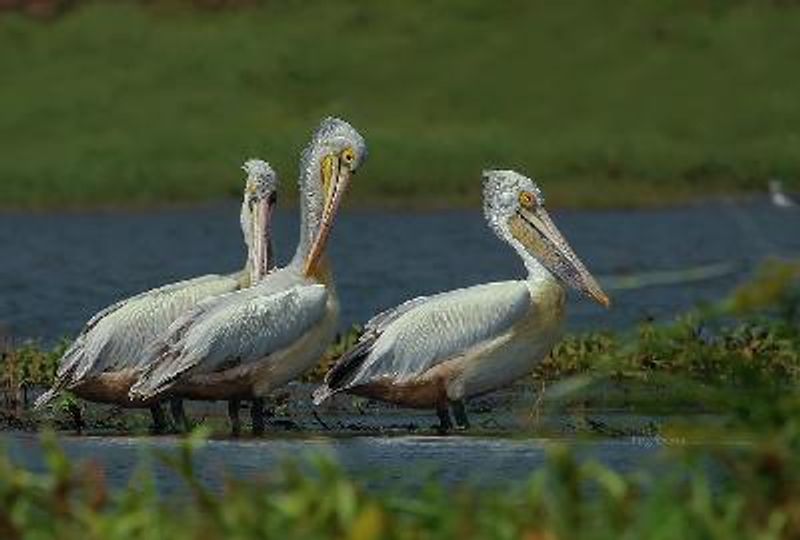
(56, 270)
(381, 462)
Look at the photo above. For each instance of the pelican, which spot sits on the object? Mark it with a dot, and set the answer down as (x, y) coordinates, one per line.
(100, 364)
(431, 352)
(245, 344)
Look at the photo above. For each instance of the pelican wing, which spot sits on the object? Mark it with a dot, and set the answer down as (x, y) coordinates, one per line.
(377, 323)
(235, 329)
(403, 343)
(112, 338)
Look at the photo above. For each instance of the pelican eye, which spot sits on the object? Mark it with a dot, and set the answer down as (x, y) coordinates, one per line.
(527, 200)
(348, 156)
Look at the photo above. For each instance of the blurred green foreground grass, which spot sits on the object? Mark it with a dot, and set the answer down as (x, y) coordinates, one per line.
(609, 103)
(751, 491)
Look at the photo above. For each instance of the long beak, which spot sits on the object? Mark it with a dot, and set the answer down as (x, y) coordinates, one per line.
(543, 240)
(335, 180)
(261, 256)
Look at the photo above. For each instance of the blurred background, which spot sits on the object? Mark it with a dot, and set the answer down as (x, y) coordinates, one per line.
(654, 128)
(613, 104)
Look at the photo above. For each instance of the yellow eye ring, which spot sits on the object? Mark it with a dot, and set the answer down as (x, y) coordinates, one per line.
(527, 199)
(348, 155)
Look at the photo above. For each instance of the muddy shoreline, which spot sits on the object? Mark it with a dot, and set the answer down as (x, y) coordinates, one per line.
(522, 410)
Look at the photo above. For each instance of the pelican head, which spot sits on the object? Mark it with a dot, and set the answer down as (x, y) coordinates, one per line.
(514, 208)
(260, 198)
(335, 153)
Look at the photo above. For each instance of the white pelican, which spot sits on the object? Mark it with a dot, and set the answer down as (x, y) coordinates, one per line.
(99, 366)
(433, 351)
(245, 344)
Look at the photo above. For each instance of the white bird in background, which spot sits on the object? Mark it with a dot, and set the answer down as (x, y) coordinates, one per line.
(431, 352)
(778, 197)
(245, 344)
(100, 365)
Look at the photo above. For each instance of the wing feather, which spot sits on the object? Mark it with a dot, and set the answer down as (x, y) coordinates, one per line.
(405, 342)
(112, 338)
(239, 328)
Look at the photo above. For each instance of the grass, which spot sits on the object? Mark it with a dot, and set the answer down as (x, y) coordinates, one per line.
(118, 103)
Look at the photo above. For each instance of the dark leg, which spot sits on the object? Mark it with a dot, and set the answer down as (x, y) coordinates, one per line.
(75, 413)
(445, 424)
(159, 420)
(233, 414)
(460, 414)
(179, 415)
(257, 414)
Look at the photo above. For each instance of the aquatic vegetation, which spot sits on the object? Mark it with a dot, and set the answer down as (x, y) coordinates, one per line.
(25, 367)
(728, 355)
(754, 332)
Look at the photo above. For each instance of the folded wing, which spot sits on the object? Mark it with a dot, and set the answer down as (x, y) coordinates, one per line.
(405, 342)
(112, 339)
(235, 329)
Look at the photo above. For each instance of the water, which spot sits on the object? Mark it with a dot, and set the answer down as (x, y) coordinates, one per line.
(396, 463)
(56, 270)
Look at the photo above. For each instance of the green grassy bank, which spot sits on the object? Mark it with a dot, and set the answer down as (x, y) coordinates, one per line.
(609, 103)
